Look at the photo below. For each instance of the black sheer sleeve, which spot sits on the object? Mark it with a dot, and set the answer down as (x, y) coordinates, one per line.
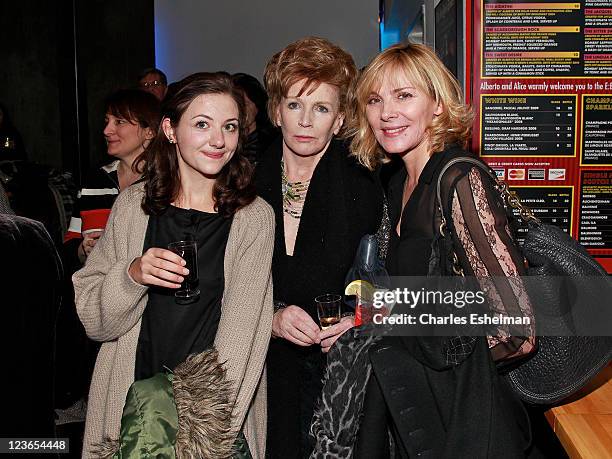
(485, 248)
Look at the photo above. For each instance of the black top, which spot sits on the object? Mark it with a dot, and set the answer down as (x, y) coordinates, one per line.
(408, 253)
(100, 189)
(343, 203)
(170, 332)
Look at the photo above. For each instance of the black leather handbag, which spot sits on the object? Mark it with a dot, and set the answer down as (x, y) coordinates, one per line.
(562, 364)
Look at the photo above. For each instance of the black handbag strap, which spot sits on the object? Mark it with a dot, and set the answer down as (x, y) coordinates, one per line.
(462, 159)
(510, 198)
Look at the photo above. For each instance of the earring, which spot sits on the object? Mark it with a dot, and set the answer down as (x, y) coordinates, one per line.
(171, 140)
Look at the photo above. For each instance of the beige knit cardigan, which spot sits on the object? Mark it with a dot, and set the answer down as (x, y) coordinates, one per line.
(110, 305)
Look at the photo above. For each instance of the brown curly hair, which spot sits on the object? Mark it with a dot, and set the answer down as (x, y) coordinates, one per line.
(233, 187)
(315, 60)
(427, 72)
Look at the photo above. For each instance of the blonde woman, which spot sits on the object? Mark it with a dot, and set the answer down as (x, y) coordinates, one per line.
(438, 396)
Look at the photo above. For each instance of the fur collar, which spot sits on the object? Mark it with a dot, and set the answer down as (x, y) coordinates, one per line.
(202, 397)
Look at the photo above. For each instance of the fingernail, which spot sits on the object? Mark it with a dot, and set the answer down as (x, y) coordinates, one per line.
(183, 262)
(181, 280)
(185, 271)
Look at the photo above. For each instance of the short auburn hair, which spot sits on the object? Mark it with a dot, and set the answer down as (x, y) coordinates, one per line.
(315, 60)
(426, 72)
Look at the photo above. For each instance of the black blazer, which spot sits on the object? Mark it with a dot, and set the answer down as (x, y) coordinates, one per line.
(435, 408)
(343, 203)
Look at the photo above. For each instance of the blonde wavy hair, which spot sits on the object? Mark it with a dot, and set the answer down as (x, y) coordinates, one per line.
(315, 60)
(428, 74)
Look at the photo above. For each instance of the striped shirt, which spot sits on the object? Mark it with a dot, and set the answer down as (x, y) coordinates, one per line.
(100, 191)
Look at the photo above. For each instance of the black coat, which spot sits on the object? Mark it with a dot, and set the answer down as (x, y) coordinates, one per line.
(436, 406)
(343, 203)
(31, 299)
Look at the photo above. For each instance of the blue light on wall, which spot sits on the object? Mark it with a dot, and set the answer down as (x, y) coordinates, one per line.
(388, 36)
(162, 53)
(403, 22)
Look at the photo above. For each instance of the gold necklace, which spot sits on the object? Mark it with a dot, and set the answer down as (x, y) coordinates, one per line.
(294, 195)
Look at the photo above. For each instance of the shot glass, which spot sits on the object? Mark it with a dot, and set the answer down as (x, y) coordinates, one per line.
(328, 309)
(189, 290)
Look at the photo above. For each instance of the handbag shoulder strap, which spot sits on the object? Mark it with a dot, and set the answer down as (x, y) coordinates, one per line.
(510, 198)
(461, 159)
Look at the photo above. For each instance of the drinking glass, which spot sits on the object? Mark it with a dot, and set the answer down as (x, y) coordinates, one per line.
(189, 290)
(328, 308)
(364, 311)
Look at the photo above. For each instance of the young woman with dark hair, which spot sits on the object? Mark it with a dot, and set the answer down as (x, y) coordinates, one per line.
(196, 187)
(232, 187)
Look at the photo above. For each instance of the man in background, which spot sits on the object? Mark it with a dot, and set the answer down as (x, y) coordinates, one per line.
(154, 81)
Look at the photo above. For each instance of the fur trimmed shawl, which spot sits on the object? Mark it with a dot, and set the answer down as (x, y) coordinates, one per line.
(185, 414)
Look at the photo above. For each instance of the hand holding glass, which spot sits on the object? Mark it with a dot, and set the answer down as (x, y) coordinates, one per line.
(328, 308)
(189, 290)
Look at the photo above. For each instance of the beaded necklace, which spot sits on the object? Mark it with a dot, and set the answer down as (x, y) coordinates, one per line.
(294, 195)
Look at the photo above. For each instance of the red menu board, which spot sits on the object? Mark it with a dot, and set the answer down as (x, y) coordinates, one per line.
(542, 94)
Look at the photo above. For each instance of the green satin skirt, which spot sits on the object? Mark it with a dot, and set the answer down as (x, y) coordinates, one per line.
(150, 422)
(242, 449)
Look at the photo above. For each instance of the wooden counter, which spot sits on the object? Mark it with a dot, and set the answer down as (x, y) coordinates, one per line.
(584, 425)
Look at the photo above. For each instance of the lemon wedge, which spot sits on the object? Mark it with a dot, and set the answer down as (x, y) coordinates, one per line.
(363, 289)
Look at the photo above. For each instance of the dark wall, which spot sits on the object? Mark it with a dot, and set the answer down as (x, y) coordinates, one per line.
(59, 61)
(115, 42)
(29, 75)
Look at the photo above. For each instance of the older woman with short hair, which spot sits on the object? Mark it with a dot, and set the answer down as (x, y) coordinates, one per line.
(324, 202)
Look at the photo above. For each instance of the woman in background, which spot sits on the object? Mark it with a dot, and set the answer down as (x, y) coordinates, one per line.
(324, 202)
(131, 121)
(197, 186)
(260, 130)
